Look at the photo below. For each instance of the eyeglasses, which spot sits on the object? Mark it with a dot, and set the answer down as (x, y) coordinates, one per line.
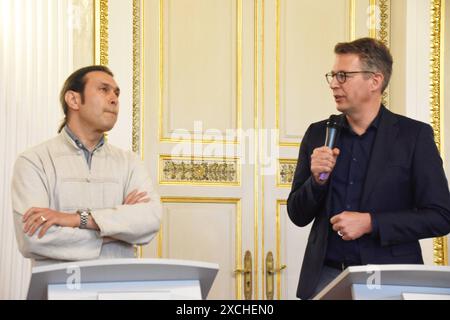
(341, 76)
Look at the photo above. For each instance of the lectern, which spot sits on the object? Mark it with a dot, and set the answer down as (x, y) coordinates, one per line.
(113, 279)
(389, 282)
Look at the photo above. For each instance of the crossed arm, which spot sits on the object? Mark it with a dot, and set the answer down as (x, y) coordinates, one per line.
(44, 218)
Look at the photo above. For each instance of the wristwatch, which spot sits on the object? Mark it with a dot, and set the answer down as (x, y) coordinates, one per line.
(84, 216)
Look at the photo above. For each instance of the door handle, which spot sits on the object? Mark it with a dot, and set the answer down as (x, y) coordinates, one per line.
(247, 272)
(270, 272)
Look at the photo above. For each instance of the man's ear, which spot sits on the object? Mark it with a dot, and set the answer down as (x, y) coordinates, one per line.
(73, 99)
(377, 81)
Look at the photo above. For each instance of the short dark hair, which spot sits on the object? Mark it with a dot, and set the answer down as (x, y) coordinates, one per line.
(374, 56)
(77, 82)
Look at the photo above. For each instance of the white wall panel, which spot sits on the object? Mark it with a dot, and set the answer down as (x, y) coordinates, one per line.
(199, 64)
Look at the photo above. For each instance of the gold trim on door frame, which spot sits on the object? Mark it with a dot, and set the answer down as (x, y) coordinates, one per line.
(256, 150)
(373, 18)
(137, 136)
(381, 31)
(137, 139)
(352, 19)
(101, 26)
(437, 23)
(385, 11)
(259, 25)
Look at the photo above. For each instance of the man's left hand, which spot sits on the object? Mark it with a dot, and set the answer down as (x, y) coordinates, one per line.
(352, 225)
(45, 218)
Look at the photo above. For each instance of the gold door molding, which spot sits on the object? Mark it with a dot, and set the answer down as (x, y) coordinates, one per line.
(101, 32)
(383, 32)
(379, 27)
(437, 101)
(138, 77)
(379, 20)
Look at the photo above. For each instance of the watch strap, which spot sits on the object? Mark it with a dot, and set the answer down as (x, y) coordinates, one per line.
(84, 217)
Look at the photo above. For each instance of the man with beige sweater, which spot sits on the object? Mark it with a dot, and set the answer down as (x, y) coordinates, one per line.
(76, 197)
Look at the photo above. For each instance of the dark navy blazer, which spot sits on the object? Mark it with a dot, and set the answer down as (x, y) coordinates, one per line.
(405, 189)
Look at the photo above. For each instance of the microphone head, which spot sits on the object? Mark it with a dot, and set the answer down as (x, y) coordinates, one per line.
(335, 121)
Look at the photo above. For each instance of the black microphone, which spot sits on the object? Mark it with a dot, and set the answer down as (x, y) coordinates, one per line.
(334, 125)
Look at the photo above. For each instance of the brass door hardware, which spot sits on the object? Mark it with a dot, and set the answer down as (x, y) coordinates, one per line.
(247, 272)
(270, 272)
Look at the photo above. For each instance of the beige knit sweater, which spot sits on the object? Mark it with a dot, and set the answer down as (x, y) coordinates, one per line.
(55, 175)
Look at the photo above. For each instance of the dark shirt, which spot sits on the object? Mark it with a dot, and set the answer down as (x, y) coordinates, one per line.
(347, 187)
(87, 154)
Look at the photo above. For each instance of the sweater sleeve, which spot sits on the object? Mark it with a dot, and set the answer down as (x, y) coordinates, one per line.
(29, 189)
(138, 223)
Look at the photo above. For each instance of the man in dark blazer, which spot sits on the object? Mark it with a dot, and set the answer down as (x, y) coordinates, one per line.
(382, 187)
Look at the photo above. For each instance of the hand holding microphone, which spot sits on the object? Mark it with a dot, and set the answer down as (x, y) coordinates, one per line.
(324, 158)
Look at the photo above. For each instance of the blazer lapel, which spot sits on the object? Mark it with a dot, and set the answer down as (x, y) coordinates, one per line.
(381, 150)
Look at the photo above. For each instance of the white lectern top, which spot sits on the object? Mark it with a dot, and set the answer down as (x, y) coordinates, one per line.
(122, 270)
(376, 278)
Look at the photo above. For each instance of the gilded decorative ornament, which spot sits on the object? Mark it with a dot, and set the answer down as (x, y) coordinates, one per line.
(199, 171)
(383, 34)
(287, 173)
